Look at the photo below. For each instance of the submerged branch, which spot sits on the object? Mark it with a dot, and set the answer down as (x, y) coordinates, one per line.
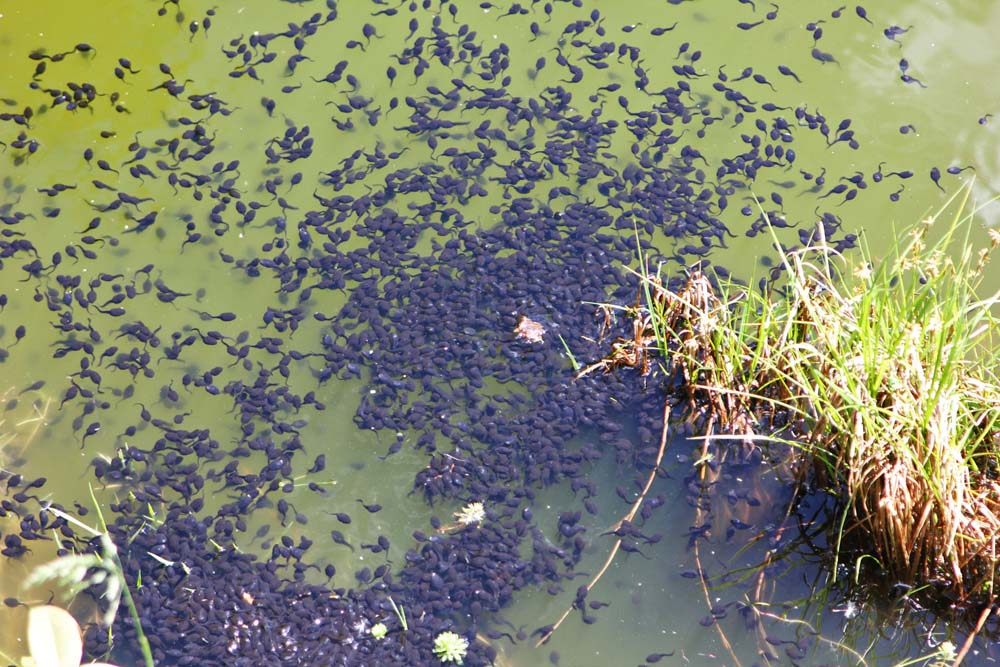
(627, 518)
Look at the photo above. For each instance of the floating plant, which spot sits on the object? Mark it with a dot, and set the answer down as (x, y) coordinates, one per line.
(450, 647)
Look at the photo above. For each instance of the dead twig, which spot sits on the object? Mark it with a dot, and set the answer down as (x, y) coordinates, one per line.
(627, 518)
(972, 635)
(697, 555)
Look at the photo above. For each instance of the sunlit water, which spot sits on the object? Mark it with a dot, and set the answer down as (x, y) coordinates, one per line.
(941, 119)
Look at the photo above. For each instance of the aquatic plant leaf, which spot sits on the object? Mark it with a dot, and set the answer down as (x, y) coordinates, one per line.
(54, 637)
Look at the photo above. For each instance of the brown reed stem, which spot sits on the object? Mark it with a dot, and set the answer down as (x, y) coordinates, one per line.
(972, 635)
(697, 553)
(628, 517)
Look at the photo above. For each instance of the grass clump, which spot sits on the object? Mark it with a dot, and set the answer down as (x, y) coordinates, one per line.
(880, 374)
(896, 376)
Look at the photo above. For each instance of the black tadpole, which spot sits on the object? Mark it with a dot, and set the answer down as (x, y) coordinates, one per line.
(823, 56)
(338, 538)
(906, 78)
(785, 70)
(225, 317)
(19, 333)
(656, 32)
(936, 177)
(370, 508)
(318, 465)
(894, 31)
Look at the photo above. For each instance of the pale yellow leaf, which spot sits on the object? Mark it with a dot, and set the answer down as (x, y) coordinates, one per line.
(54, 637)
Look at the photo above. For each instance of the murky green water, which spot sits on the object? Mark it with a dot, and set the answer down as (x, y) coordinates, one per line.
(951, 49)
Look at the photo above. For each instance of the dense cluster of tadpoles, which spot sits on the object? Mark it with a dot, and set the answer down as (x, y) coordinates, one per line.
(433, 297)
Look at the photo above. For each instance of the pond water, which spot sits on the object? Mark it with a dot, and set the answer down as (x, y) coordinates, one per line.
(241, 236)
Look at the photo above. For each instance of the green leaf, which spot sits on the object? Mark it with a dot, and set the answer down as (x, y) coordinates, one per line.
(54, 637)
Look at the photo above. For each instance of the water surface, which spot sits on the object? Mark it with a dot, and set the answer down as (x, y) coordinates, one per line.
(204, 248)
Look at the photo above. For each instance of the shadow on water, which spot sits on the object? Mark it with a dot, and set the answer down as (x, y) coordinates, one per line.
(269, 260)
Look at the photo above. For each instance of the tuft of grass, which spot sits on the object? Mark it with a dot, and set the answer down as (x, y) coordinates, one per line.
(880, 374)
(400, 614)
(892, 371)
(106, 568)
